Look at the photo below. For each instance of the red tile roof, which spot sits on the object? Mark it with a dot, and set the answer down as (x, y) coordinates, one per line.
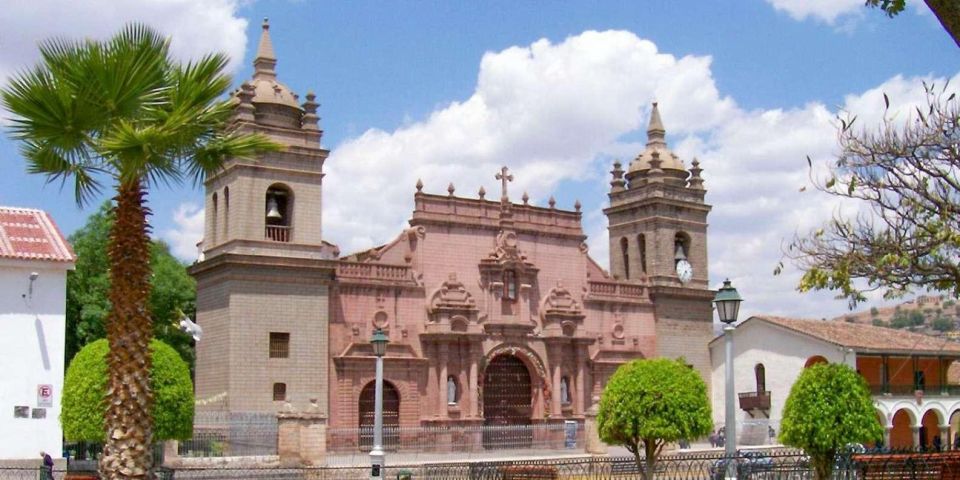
(29, 234)
(866, 338)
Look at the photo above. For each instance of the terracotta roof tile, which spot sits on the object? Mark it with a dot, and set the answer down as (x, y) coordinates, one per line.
(29, 234)
(866, 338)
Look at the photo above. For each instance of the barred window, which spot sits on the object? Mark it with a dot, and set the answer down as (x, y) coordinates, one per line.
(279, 392)
(279, 345)
(509, 285)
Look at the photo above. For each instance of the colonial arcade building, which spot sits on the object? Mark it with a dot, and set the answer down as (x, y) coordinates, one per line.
(495, 311)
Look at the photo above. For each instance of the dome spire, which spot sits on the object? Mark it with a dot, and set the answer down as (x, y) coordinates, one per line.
(266, 60)
(656, 134)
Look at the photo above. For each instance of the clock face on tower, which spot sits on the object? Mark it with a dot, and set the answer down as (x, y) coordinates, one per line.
(684, 270)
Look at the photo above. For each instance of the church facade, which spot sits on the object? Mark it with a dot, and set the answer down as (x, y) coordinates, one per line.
(495, 311)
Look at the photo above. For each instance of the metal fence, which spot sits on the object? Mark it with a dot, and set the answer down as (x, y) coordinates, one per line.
(558, 436)
(760, 465)
(231, 434)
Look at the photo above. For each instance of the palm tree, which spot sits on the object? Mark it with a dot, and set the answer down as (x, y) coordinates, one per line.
(122, 111)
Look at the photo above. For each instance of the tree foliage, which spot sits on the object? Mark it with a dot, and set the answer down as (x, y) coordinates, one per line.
(829, 406)
(172, 291)
(947, 12)
(906, 174)
(85, 390)
(649, 403)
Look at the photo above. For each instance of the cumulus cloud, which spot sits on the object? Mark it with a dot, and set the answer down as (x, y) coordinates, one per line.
(187, 231)
(196, 27)
(827, 11)
(558, 113)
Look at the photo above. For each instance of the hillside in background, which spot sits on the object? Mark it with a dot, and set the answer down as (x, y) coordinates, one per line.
(936, 315)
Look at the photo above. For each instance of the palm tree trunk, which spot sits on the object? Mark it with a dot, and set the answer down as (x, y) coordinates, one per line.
(128, 422)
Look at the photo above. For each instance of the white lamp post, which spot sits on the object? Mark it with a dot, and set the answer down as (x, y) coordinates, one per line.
(728, 306)
(379, 342)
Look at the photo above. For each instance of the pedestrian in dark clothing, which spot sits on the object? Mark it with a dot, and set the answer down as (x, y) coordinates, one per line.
(937, 446)
(46, 469)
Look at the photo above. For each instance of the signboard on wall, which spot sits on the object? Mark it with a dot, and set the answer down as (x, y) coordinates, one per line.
(45, 395)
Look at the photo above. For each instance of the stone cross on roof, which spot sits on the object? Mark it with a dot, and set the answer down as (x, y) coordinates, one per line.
(504, 177)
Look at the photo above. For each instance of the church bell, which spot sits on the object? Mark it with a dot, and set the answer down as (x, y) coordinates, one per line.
(272, 211)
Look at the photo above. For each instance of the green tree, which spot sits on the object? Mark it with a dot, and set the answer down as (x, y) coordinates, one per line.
(947, 11)
(649, 403)
(172, 289)
(122, 110)
(829, 406)
(942, 324)
(85, 386)
(874, 312)
(904, 173)
(879, 323)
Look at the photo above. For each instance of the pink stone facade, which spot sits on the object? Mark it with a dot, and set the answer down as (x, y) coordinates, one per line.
(438, 290)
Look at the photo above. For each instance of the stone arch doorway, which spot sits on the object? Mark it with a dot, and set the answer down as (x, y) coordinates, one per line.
(391, 416)
(507, 403)
(901, 435)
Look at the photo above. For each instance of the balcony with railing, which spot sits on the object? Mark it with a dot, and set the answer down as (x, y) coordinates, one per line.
(278, 233)
(754, 400)
(910, 390)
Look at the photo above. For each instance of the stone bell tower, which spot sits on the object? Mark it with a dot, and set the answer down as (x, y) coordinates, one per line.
(658, 235)
(264, 274)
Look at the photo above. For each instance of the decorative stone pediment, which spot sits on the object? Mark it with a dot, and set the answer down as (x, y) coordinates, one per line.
(559, 305)
(452, 309)
(452, 295)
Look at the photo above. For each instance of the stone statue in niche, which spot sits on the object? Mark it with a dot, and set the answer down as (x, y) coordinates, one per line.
(451, 391)
(564, 391)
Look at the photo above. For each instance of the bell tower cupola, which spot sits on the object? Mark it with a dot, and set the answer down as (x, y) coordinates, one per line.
(263, 206)
(657, 221)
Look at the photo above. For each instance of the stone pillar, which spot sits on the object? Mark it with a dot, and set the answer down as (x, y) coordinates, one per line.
(555, 357)
(443, 349)
(171, 453)
(886, 435)
(302, 437)
(579, 383)
(475, 351)
(591, 431)
(916, 436)
(430, 354)
(945, 442)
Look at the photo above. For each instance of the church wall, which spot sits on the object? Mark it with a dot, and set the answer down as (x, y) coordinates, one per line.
(212, 372)
(259, 307)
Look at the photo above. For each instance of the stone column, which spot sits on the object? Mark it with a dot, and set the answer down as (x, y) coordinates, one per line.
(555, 359)
(886, 435)
(916, 436)
(945, 443)
(432, 394)
(474, 351)
(171, 453)
(578, 389)
(443, 348)
(591, 431)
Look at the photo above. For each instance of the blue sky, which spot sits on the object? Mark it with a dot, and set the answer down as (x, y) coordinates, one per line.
(448, 91)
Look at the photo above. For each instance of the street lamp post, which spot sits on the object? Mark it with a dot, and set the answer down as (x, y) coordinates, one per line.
(379, 342)
(728, 306)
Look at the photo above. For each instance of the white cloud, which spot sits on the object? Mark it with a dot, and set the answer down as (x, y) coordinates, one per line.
(196, 27)
(827, 11)
(187, 232)
(557, 112)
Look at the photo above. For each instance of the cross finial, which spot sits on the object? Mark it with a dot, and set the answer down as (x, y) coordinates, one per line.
(504, 177)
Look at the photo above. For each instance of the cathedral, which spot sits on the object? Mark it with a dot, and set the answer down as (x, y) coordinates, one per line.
(495, 311)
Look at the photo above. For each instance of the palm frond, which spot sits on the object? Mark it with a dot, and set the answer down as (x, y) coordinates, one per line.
(207, 159)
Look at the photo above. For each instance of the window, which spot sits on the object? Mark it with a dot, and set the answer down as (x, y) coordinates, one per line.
(642, 246)
(565, 397)
(279, 392)
(509, 285)
(625, 251)
(453, 393)
(279, 345)
(226, 212)
(919, 382)
(760, 372)
(214, 230)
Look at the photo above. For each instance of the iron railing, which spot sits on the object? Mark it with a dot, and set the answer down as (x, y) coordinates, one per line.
(909, 390)
(560, 436)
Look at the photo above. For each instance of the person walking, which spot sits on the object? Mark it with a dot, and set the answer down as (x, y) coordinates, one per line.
(46, 468)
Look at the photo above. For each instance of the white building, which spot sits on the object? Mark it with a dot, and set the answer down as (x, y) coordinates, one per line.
(907, 374)
(34, 259)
